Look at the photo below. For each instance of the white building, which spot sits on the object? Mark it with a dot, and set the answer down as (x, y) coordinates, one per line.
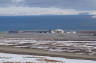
(57, 31)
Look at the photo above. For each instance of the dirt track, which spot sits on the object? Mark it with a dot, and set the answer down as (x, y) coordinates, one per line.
(9, 49)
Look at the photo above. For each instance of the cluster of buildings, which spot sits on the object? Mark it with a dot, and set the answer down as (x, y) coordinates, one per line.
(58, 31)
(38, 31)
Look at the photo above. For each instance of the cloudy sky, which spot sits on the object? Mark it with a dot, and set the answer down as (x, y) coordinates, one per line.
(47, 6)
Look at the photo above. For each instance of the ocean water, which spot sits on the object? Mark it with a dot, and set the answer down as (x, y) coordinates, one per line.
(66, 22)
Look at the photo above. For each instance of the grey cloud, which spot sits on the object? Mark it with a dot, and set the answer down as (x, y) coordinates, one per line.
(68, 4)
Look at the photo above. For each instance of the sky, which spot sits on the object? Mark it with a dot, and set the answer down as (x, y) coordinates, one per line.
(48, 6)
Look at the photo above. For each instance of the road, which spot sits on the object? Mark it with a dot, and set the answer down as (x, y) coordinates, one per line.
(10, 49)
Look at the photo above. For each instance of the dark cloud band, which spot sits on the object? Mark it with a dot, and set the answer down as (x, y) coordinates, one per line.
(68, 4)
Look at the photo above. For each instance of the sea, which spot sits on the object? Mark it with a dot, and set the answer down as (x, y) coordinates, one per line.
(47, 22)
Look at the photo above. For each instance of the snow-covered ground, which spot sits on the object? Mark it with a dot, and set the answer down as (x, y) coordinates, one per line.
(16, 58)
(5, 57)
(78, 47)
